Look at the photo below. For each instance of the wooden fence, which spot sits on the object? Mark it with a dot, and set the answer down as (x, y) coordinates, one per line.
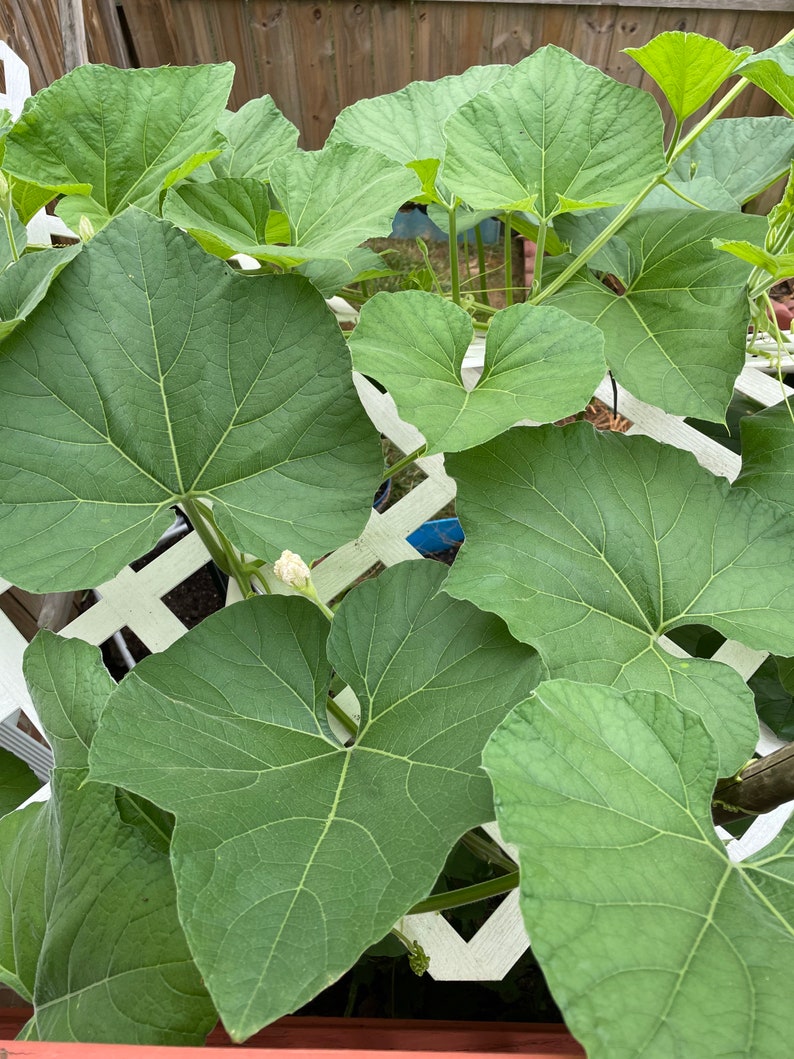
(317, 56)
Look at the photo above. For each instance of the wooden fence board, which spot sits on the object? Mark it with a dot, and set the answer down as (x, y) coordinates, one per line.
(317, 56)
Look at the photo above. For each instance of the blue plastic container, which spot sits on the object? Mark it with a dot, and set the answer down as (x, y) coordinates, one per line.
(437, 536)
(415, 223)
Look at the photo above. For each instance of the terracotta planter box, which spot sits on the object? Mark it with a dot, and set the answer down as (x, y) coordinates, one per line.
(318, 1038)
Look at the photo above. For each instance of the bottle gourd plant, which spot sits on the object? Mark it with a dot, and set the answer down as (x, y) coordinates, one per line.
(213, 844)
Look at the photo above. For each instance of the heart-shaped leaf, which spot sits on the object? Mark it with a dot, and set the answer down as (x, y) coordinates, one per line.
(773, 70)
(414, 344)
(88, 921)
(291, 852)
(676, 336)
(645, 931)
(119, 136)
(553, 135)
(592, 565)
(687, 67)
(168, 378)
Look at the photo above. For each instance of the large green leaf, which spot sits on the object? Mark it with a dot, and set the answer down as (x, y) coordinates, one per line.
(414, 344)
(553, 135)
(687, 67)
(291, 852)
(88, 920)
(119, 136)
(676, 337)
(17, 782)
(153, 373)
(773, 70)
(652, 942)
(591, 547)
(26, 284)
(408, 126)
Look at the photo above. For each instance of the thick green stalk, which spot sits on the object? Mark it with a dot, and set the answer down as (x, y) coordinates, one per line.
(467, 895)
(454, 263)
(217, 544)
(508, 260)
(593, 247)
(406, 461)
(483, 290)
(487, 851)
(339, 714)
(540, 245)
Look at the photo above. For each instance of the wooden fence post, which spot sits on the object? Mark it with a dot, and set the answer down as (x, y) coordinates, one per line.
(75, 49)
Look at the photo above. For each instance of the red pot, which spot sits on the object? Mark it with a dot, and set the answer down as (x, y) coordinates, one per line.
(318, 1038)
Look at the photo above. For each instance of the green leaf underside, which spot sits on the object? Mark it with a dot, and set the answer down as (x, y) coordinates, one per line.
(256, 135)
(88, 921)
(291, 853)
(540, 364)
(17, 782)
(553, 129)
(631, 903)
(154, 373)
(117, 135)
(773, 70)
(408, 126)
(340, 196)
(225, 216)
(676, 338)
(735, 157)
(687, 67)
(592, 546)
(767, 453)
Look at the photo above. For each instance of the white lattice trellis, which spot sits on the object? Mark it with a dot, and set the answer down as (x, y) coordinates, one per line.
(134, 600)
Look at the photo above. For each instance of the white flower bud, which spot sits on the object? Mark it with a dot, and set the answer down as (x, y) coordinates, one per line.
(292, 570)
(85, 229)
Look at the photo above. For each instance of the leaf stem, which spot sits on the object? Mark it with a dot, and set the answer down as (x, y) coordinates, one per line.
(454, 263)
(681, 195)
(217, 544)
(487, 851)
(540, 248)
(406, 461)
(481, 268)
(595, 245)
(508, 259)
(466, 895)
(339, 714)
